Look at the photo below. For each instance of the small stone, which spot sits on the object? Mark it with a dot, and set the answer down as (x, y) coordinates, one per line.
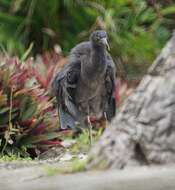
(66, 157)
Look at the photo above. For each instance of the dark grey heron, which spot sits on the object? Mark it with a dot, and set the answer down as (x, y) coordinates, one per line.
(85, 86)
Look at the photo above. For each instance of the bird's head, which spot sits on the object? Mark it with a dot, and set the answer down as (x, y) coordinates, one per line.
(99, 38)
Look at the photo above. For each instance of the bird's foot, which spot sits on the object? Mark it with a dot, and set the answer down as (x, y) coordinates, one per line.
(90, 130)
(106, 120)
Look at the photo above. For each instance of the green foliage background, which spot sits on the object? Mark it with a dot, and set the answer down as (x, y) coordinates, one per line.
(137, 28)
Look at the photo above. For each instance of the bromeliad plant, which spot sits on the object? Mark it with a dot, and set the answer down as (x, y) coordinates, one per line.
(28, 122)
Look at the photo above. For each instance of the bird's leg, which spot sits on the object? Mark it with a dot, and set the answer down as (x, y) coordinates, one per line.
(105, 118)
(90, 129)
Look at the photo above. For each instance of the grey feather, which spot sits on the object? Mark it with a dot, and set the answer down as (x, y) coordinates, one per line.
(85, 86)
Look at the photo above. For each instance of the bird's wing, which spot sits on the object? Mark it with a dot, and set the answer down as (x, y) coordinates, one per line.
(64, 85)
(81, 49)
(110, 107)
(65, 79)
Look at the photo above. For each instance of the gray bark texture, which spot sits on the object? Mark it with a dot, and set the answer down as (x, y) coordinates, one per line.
(143, 132)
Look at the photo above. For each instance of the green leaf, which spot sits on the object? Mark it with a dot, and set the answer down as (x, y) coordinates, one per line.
(4, 118)
(27, 52)
(27, 108)
(6, 76)
(168, 10)
(4, 110)
(10, 18)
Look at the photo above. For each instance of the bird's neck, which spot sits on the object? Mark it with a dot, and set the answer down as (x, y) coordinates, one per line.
(98, 62)
(93, 71)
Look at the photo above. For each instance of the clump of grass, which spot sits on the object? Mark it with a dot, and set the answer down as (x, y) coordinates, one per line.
(5, 158)
(82, 141)
(50, 171)
(75, 166)
(78, 165)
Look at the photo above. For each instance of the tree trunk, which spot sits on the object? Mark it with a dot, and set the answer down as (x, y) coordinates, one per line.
(143, 132)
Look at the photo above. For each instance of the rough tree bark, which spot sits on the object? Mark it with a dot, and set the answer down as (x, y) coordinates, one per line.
(143, 132)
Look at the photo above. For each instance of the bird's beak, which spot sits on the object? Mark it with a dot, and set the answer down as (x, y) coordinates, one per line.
(105, 42)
